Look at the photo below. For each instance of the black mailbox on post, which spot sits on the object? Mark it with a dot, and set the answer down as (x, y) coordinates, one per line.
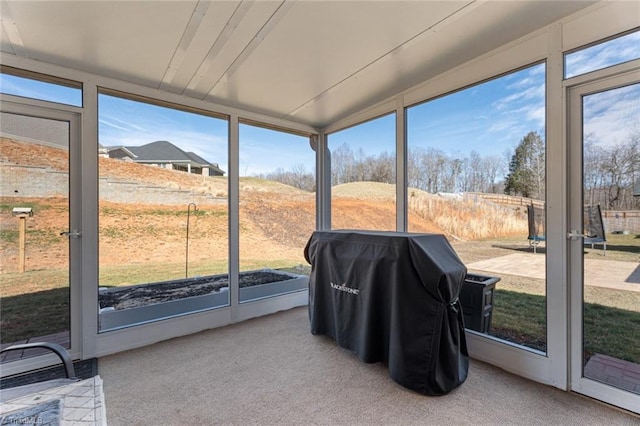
(476, 298)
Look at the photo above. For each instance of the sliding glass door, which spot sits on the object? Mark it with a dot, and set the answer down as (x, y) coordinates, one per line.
(604, 239)
(40, 232)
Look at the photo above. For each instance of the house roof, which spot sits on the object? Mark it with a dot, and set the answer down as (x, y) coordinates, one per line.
(160, 151)
(120, 147)
(166, 152)
(195, 157)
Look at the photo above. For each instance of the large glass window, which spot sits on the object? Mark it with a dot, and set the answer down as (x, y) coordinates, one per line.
(277, 211)
(36, 86)
(363, 176)
(476, 173)
(602, 55)
(163, 211)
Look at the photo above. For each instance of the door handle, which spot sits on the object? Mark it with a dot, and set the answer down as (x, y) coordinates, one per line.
(574, 235)
(72, 234)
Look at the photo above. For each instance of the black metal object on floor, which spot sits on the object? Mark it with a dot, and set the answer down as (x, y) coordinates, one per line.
(476, 298)
(68, 370)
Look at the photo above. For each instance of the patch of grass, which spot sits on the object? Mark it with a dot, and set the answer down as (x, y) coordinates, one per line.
(125, 275)
(131, 274)
(15, 283)
(174, 213)
(112, 232)
(298, 269)
(34, 205)
(521, 318)
(216, 213)
(34, 314)
(165, 212)
(611, 331)
(286, 265)
(34, 303)
(109, 211)
(9, 236)
(43, 237)
(132, 231)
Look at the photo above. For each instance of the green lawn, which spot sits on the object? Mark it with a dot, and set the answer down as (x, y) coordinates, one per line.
(36, 302)
(521, 318)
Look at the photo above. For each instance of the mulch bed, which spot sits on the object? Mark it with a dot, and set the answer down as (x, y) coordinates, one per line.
(147, 294)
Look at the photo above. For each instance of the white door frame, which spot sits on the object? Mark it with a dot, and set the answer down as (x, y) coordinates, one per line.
(612, 78)
(72, 115)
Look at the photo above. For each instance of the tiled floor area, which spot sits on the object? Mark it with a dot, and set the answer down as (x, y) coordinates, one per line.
(81, 403)
(613, 371)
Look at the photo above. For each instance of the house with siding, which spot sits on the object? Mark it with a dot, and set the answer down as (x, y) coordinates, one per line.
(166, 155)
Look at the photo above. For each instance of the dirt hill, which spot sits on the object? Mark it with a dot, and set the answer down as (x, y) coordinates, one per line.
(276, 220)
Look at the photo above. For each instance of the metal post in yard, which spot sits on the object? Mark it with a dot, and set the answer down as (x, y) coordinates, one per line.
(22, 213)
(186, 260)
(22, 242)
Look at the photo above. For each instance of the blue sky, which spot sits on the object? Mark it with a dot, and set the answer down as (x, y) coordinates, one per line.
(616, 51)
(131, 123)
(490, 118)
(612, 117)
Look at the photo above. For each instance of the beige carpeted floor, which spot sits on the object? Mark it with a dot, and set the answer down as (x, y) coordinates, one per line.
(272, 370)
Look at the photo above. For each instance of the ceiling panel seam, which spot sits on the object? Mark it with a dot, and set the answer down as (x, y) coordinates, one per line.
(269, 25)
(11, 28)
(447, 20)
(223, 37)
(189, 33)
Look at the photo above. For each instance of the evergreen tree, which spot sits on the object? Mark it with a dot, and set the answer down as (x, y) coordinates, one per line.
(527, 168)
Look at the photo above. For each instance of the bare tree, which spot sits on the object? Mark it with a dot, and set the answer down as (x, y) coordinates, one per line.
(493, 167)
(341, 164)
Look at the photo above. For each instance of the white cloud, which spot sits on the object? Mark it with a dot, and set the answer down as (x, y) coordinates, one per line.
(612, 117)
(511, 102)
(498, 126)
(537, 114)
(603, 55)
(110, 124)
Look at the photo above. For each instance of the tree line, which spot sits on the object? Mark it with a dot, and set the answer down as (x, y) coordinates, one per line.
(609, 172)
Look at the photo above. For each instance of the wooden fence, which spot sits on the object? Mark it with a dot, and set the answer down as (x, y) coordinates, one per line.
(615, 221)
(506, 200)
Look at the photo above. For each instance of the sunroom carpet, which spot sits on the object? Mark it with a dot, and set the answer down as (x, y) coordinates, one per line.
(272, 370)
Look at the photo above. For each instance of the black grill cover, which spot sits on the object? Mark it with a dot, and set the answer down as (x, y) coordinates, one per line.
(392, 297)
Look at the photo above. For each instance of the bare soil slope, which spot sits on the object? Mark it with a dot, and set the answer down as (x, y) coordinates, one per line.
(276, 220)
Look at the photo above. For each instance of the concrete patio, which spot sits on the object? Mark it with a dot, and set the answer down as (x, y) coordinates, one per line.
(598, 272)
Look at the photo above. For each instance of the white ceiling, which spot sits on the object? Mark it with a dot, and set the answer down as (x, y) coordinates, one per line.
(313, 62)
